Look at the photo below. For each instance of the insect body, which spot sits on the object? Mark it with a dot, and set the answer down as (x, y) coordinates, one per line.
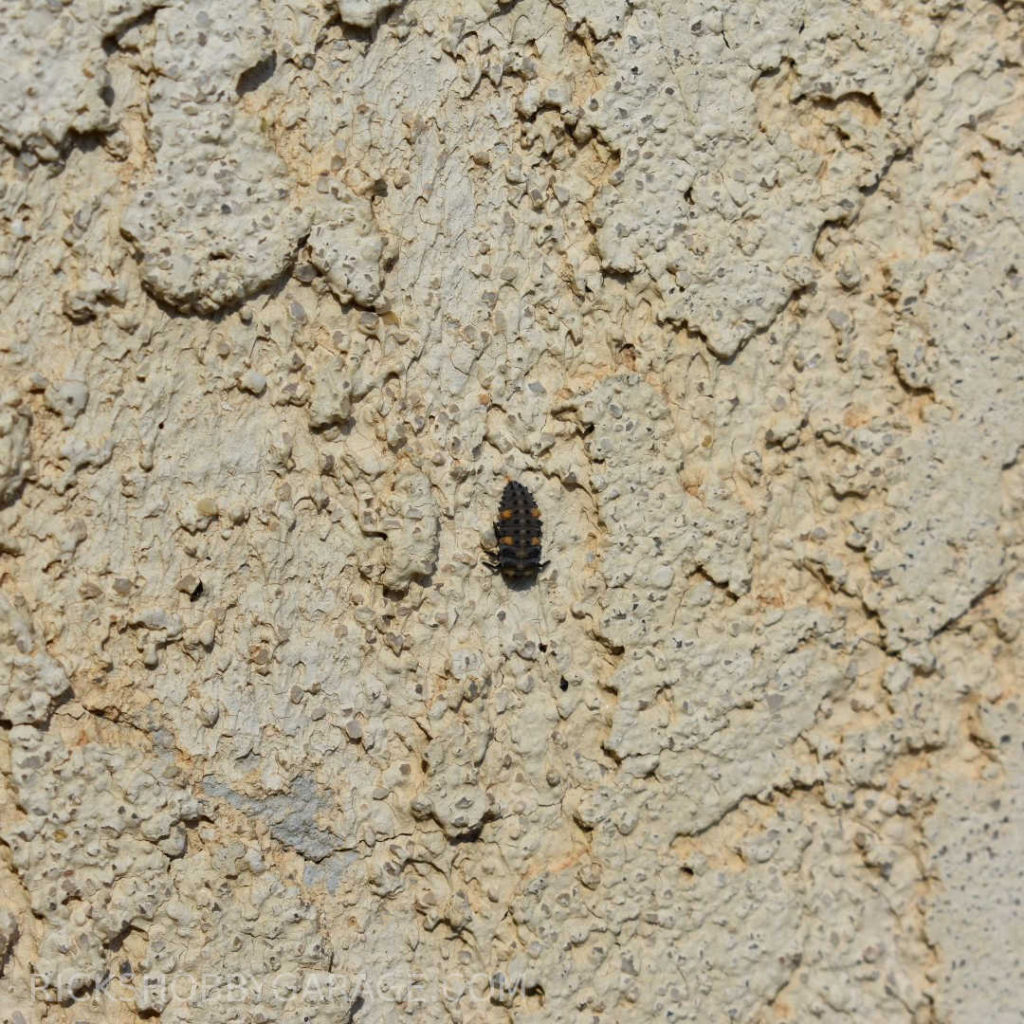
(517, 530)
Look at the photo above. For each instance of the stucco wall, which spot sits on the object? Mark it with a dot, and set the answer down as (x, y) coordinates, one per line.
(289, 289)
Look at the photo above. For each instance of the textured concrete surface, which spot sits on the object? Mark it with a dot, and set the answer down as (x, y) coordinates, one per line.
(289, 290)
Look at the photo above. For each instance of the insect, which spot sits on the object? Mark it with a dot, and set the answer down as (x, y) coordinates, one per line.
(517, 530)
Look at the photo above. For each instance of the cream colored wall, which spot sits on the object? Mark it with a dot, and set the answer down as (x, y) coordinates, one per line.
(288, 291)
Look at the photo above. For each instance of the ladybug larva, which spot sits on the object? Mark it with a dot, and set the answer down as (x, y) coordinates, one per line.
(517, 531)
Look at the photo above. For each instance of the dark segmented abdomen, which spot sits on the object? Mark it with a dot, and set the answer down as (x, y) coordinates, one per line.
(518, 531)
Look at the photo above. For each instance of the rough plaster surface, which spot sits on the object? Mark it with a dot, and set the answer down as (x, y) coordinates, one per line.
(289, 289)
